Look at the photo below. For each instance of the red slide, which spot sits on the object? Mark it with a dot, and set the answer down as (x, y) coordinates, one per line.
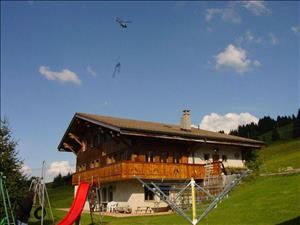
(77, 205)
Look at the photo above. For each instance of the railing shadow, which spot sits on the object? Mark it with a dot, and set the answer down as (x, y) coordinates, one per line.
(294, 221)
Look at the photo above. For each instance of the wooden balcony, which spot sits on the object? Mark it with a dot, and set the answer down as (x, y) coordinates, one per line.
(127, 170)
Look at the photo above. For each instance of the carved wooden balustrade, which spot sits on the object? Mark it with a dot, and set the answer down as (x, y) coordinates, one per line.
(127, 170)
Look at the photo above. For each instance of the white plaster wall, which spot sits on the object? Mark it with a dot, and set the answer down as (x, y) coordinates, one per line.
(229, 151)
(86, 205)
(131, 193)
(128, 193)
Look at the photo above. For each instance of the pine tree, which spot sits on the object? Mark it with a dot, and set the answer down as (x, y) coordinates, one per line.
(296, 125)
(275, 134)
(11, 165)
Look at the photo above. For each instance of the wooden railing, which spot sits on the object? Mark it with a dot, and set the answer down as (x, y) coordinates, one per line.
(127, 170)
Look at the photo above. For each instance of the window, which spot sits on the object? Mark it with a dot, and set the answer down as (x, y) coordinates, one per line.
(134, 157)
(224, 158)
(114, 158)
(149, 156)
(149, 195)
(103, 196)
(164, 157)
(110, 193)
(92, 165)
(206, 157)
(97, 163)
(237, 155)
(165, 190)
(82, 167)
(176, 158)
(108, 160)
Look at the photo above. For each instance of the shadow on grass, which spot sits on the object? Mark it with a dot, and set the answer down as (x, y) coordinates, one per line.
(49, 222)
(37, 222)
(295, 221)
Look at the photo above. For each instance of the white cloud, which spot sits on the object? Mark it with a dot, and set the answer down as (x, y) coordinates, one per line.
(227, 14)
(26, 170)
(256, 7)
(91, 71)
(256, 63)
(230, 12)
(296, 29)
(64, 76)
(228, 122)
(274, 40)
(60, 167)
(234, 58)
(248, 37)
(210, 13)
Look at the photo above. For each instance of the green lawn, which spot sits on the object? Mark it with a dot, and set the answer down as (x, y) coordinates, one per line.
(257, 201)
(280, 155)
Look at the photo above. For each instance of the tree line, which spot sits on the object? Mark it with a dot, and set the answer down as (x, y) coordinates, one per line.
(267, 124)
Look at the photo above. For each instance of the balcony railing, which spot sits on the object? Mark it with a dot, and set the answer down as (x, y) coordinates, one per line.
(127, 170)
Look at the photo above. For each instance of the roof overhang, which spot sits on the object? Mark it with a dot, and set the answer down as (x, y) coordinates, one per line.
(196, 140)
(130, 132)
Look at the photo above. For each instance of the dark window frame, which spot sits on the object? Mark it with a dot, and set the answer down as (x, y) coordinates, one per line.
(206, 156)
(224, 158)
(148, 195)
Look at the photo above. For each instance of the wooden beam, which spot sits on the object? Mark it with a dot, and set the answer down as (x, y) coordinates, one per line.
(75, 138)
(66, 145)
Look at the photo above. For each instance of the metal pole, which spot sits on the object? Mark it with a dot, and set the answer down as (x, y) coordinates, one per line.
(202, 189)
(3, 196)
(170, 203)
(43, 191)
(180, 192)
(193, 201)
(159, 194)
(48, 200)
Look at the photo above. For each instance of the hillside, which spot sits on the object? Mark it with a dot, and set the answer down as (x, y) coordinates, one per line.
(285, 133)
(271, 200)
(280, 156)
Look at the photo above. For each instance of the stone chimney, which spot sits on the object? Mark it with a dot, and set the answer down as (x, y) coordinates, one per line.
(185, 122)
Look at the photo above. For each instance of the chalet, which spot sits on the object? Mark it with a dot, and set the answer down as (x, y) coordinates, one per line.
(110, 152)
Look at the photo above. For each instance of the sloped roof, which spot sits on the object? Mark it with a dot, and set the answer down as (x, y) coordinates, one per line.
(163, 129)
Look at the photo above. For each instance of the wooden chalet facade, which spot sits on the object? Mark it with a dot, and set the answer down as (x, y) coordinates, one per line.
(111, 151)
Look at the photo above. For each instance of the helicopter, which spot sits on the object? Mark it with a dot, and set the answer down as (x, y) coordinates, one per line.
(122, 23)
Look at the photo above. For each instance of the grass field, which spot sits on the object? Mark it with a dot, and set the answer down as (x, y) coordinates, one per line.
(280, 155)
(257, 201)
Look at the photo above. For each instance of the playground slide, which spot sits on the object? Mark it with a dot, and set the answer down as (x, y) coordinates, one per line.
(77, 205)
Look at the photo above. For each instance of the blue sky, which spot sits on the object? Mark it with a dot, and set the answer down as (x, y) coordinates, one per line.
(210, 57)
